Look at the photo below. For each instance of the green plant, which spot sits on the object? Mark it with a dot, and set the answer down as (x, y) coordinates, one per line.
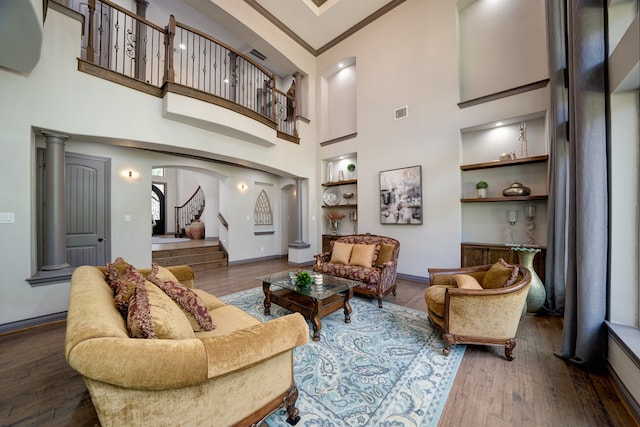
(303, 279)
(351, 167)
(482, 184)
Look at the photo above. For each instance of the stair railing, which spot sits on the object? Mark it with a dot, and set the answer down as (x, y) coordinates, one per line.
(190, 210)
(125, 43)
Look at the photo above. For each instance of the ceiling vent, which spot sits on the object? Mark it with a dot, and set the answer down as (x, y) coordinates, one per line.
(400, 113)
(258, 55)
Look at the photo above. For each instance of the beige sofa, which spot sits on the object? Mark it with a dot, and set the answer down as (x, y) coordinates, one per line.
(236, 374)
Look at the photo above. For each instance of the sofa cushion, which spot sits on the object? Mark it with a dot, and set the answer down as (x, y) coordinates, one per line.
(362, 255)
(194, 308)
(352, 272)
(464, 281)
(434, 297)
(152, 314)
(500, 275)
(341, 252)
(386, 252)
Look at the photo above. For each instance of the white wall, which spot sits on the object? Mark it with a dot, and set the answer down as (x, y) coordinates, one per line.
(417, 67)
(502, 46)
(98, 116)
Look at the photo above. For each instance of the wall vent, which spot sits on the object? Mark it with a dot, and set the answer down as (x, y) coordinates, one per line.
(258, 55)
(400, 113)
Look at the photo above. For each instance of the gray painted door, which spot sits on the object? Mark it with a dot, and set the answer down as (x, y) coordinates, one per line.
(87, 206)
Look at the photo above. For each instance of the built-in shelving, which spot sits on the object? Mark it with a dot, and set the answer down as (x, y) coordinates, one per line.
(351, 206)
(505, 199)
(345, 182)
(503, 163)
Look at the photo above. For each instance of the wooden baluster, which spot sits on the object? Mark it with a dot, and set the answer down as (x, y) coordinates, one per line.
(169, 75)
(90, 50)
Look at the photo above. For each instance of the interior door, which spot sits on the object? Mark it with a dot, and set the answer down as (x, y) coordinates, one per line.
(87, 207)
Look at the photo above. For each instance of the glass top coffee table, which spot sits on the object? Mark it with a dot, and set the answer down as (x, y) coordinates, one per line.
(313, 302)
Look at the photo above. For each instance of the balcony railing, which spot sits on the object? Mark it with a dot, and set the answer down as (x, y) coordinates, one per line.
(121, 41)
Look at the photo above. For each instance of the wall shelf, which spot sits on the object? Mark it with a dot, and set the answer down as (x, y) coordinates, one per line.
(503, 163)
(354, 206)
(345, 182)
(505, 199)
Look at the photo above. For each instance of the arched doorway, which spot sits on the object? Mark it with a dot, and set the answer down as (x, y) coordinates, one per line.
(158, 209)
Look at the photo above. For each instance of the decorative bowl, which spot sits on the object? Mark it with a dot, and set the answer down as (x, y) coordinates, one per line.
(516, 189)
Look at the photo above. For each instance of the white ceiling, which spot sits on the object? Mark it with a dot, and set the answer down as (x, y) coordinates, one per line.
(318, 26)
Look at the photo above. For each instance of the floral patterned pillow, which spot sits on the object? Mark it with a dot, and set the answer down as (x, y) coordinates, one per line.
(190, 302)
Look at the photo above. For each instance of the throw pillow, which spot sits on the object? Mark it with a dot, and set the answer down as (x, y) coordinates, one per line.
(139, 313)
(123, 289)
(194, 308)
(500, 275)
(118, 269)
(464, 281)
(386, 251)
(341, 253)
(362, 255)
(158, 316)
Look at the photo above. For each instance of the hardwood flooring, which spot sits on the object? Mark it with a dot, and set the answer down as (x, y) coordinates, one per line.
(37, 387)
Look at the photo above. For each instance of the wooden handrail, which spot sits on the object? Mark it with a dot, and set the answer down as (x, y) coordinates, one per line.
(223, 221)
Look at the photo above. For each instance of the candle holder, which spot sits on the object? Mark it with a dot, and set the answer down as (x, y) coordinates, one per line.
(512, 219)
(530, 214)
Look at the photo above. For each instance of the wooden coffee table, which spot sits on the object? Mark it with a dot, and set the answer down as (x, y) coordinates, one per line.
(313, 302)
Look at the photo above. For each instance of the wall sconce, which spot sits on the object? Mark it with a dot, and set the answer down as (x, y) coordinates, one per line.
(243, 187)
(130, 175)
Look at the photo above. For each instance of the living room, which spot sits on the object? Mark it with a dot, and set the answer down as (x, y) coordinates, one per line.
(108, 120)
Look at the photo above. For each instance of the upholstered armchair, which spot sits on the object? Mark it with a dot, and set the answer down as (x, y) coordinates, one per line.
(478, 305)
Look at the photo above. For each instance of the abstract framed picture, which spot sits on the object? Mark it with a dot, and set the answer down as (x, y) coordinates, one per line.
(401, 196)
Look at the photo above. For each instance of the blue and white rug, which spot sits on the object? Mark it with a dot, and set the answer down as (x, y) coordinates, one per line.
(385, 368)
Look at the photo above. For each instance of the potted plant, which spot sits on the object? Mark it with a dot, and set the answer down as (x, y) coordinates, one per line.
(303, 279)
(482, 186)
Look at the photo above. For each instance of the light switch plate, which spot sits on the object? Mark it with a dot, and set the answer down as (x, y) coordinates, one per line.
(7, 217)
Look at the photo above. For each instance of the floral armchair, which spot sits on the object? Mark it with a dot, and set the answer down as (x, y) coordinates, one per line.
(367, 258)
(478, 305)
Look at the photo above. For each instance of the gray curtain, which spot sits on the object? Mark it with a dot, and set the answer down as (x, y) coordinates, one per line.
(578, 199)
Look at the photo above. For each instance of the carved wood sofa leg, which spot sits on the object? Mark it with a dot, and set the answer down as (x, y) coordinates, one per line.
(448, 342)
(508, 349)
(290, 404)
(379, 301)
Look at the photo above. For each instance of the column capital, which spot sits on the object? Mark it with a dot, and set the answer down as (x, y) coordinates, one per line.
(58, 137)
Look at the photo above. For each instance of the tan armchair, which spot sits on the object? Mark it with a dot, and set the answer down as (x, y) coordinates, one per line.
(478, 305)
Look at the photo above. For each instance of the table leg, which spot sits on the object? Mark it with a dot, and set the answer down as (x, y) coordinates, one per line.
(347, 306)
(267, 298)
(315, 320)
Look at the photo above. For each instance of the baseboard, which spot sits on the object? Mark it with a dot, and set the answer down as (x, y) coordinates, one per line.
(420, 279)
(250, 260)
(34, 322)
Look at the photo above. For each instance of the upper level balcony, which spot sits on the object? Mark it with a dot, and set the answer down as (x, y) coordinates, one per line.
(125, 48)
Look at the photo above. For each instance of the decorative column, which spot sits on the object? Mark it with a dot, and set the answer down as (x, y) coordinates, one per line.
(299, 242)
(55, 227)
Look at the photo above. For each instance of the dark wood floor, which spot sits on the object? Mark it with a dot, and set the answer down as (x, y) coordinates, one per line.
(537, 389)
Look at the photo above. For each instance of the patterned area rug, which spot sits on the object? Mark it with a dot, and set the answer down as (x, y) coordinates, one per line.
(385, 368)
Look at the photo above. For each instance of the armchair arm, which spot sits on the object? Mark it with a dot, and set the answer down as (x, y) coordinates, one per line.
(245, 347)
(387, 274)
(444, 276)
(489, 313)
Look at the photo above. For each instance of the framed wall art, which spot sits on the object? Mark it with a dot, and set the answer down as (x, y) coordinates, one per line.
(401, 196)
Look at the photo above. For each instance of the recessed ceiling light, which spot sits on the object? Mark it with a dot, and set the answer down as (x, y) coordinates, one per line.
(499, 124)
(341, 65)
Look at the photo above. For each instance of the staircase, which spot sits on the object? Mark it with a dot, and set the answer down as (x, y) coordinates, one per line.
(199, 258)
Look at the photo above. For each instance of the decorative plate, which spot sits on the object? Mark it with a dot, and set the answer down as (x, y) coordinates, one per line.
(331, 196)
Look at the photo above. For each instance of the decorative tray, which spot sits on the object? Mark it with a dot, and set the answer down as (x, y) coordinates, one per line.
(331, 196)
